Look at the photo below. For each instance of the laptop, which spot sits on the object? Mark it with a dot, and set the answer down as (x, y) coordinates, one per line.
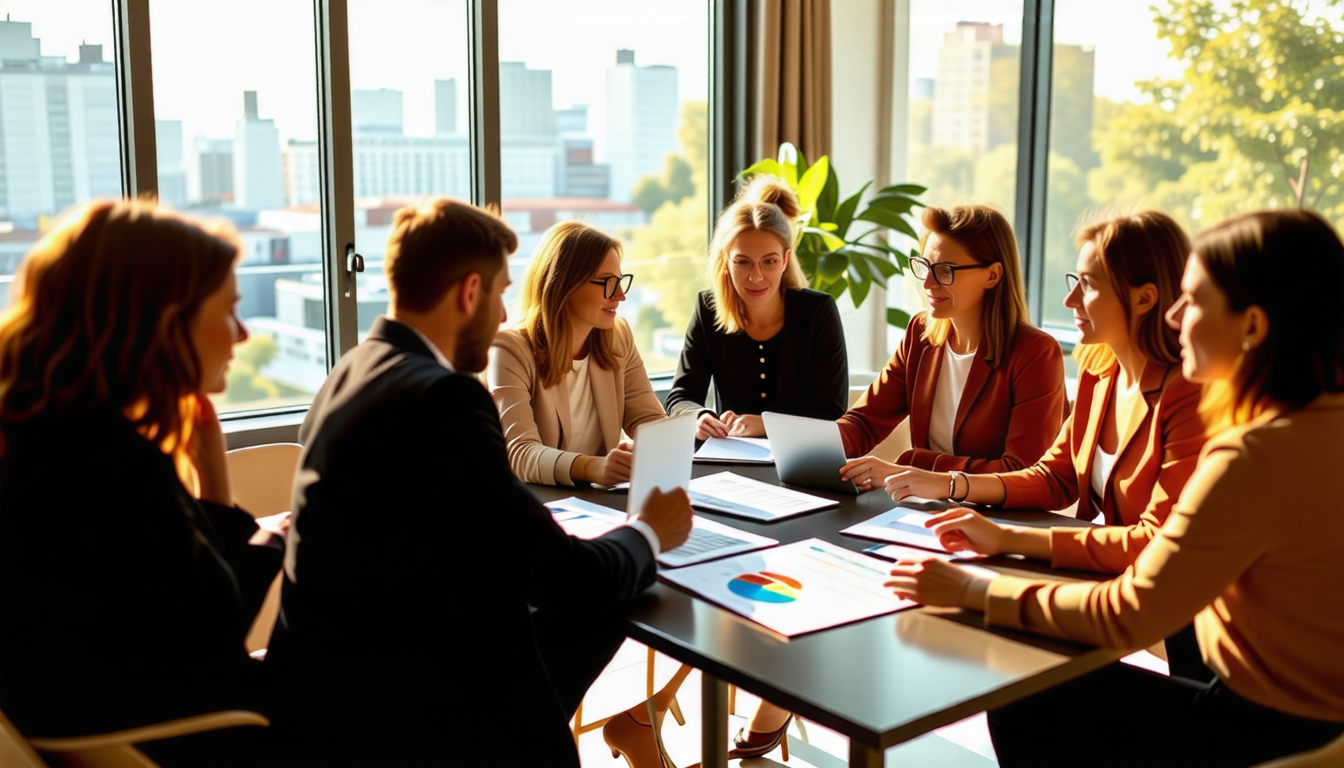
(808, 452)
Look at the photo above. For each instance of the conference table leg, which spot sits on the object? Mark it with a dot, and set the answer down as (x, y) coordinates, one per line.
(861, 756)
(714, 722)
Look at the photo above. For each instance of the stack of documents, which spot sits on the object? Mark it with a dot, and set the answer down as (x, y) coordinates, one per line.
(735, 450)
(733, 494)
(901, 526)
(797, 588)
(709, 539)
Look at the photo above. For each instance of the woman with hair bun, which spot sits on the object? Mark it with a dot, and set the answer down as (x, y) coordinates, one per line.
(768, 342)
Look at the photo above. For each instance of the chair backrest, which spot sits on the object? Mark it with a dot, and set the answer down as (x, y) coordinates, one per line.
(15, 752)
(263, 476)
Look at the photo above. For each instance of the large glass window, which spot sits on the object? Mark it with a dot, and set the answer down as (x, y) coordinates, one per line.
(230, 119)
(58, 119)
(1200, 109)
(603, 119)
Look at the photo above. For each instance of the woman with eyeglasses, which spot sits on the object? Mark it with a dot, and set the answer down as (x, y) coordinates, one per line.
(1135, 433)
(568, 379)
(1252, 547)
(766, 340)
(982, 387)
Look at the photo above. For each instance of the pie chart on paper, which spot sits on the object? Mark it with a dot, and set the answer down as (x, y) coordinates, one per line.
(766, 587)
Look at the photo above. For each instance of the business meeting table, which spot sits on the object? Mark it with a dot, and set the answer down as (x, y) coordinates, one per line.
(881, 681)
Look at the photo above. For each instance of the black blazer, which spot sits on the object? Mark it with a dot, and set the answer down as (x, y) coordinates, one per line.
(810, 368)
(414, 557)
(123, 600)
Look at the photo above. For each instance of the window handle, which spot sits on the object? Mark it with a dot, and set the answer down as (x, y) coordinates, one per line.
(354, 263)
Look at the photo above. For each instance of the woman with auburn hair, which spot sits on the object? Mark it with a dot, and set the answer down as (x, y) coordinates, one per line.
(128, 580)
(568, 379)
(767, 341)
(983, 388)
(1261, 318)
(1135, 433)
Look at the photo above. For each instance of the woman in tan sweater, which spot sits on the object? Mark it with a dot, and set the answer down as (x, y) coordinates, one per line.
(1251, 549)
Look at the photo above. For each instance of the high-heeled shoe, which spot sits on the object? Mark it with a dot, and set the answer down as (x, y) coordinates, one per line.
(752, 744)
(641, 744)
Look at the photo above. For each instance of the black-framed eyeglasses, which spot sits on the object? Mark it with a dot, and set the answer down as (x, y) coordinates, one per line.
(943, 273)
(1071, 281)
(609, 284)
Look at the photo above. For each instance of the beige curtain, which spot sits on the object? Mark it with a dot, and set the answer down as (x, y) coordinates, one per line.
(792, 76)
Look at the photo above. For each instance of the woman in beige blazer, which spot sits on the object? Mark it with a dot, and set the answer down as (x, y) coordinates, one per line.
(568, 379)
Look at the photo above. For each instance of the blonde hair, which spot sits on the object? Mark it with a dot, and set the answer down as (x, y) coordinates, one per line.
(988, 238)
(1290, 263)
(569, 255)
(1137, 249)
(765, 205)
(101, 316)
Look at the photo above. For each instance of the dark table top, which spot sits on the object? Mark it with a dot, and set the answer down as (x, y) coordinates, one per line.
(880, 681)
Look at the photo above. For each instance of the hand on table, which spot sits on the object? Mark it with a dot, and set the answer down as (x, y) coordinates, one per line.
(614, 467)
(940, 583)
(868, 471)
(746, 425)
(909, 481)
(710, 425)
(669, 515)
(961, 530)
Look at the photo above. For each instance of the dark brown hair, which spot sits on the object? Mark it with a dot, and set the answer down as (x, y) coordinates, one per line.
(436, 243)
(1290, 263)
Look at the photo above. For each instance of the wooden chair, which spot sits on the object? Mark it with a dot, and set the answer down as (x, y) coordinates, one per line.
(1330, 755)
(579, 727)
(263, 479)
(111, 750)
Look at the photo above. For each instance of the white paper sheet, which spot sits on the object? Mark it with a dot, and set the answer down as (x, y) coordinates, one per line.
(733, 494)
(736, 450)
(899, 525)
(709, 539)
(797, 588)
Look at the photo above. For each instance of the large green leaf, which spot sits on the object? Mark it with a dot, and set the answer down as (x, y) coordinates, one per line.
(829, 195)
(889, 220)
(844, 213)
(808, 261)
(832, 242)
(897, 203)
(812, 183)
(831, 265)
(859, 286)
(768, 166)
(883, 268)
(898, 317)
(903, 189)
(836, 288)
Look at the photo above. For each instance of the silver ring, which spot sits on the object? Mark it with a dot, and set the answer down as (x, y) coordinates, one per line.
(868, 481)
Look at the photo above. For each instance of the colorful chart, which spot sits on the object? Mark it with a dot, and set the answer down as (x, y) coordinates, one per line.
(766, 587)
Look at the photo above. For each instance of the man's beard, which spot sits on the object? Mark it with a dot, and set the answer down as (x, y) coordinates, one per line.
(473, 341)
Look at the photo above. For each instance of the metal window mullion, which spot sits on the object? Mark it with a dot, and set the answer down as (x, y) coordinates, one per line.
(483, 99)
(335, 176)
(1033, 146)
(728, 102)
(135, 98)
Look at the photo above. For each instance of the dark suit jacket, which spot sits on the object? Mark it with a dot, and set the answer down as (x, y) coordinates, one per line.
(415, 555)
(810, 376)
(1007, 418)
(123, 600)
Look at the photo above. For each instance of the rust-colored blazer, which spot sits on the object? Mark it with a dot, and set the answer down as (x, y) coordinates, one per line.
(1156, 453)
(1007, 415)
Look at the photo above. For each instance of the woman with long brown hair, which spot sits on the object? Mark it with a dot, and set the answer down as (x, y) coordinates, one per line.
(1251, 549)
(568, 379)
(128, 580)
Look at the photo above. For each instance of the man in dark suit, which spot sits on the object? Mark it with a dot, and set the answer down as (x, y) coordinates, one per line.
(433, 613)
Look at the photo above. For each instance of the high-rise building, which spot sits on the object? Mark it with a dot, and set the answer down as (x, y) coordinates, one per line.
(258, 180)
(171, 159)
(376, 112)
(527, 135)
(212, 182)
(445, 107)
(58, 128)
(641, 121)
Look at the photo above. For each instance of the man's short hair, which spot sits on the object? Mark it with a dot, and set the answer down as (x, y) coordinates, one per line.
(436, 243)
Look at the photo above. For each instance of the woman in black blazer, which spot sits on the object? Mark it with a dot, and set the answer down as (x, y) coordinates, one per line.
(766, 341)
(128, 580)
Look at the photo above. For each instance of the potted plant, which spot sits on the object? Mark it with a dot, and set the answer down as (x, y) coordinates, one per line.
(833, 260)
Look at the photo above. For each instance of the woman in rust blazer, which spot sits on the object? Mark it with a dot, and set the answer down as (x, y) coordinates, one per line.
(1007, 377)
(1135, 434)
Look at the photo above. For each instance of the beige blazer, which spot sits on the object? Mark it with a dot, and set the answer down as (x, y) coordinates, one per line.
(536, 420)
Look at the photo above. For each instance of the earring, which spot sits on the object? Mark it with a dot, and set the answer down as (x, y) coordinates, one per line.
(1245, 346)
